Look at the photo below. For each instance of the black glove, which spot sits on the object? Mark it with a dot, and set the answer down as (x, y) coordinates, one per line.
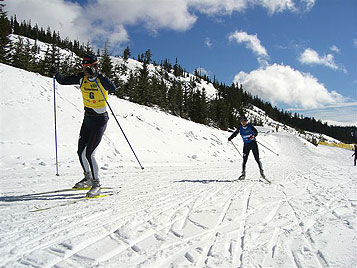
(52, 70)
(229, 139)
(90, 71)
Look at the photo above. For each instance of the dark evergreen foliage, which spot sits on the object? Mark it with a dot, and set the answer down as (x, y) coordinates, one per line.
(5, 30)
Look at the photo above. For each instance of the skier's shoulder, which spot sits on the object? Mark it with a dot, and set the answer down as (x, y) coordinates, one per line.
(253, 127)
(106, 82)
(69, 79)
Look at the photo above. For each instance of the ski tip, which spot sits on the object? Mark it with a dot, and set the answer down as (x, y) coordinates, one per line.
(97, 196)
(80, 189)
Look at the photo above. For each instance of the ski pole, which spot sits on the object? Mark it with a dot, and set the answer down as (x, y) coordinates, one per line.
(55, 115)
(236, 149)
(137, 159)
(267, 148)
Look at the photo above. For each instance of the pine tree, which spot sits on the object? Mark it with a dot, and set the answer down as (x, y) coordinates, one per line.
(5, 30)
(18, 57)
(88, 48)
(143, 85)
(126, 53)
(27, 55)
(147, 57)
(106, 62)
(33, 65)
(45, 62)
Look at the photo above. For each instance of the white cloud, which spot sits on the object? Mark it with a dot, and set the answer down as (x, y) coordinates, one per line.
(334, 48)
(279, 83)
(277, 6)
(59, 15)
(208, 42)
(342, 114)
(252, 42)
(202, 71)
(223, 7)
(355, 42)
(103, 20)
(311, 57)
(108, 20)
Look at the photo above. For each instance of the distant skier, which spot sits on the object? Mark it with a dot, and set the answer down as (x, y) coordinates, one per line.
(248, 133)
(355, 154)
(95, 118)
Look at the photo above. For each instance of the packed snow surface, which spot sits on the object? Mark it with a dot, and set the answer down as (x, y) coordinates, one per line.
(185, 209)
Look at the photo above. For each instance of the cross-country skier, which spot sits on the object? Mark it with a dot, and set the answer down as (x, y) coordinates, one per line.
(95, 117)
(355, 154)
(248, 133)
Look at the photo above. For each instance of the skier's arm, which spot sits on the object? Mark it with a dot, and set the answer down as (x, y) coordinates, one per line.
(69, 80)
(255, 131)
(107, 83)
(235, 133)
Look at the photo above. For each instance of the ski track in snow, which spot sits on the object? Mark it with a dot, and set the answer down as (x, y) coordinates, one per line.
(186, 209)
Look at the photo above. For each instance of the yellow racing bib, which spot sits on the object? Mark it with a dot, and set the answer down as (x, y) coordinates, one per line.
(92, 97)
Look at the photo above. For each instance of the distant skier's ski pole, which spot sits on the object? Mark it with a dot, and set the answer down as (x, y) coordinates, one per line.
(55, 114)
(236, 149)
(267, 148)
(118, 124)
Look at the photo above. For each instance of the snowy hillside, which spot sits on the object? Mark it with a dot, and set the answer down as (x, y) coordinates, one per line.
(185, 209)
(132, 65)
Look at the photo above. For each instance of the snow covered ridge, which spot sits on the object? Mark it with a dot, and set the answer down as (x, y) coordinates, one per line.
(131, 64)
(123, 69)
(186, 208)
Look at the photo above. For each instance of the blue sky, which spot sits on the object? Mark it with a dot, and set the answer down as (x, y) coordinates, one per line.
(301, 55)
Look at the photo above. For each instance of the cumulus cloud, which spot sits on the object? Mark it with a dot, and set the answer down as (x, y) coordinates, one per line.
(102, 20)
(283, 84)
(223, 7)
(311, 57)
(334, 48)
(251, 41)
(59, 15)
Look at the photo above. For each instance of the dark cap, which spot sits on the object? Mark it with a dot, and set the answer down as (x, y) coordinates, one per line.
(89, 59)
(243, 118)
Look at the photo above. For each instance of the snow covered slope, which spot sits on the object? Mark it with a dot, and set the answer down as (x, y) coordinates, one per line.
(185, 209)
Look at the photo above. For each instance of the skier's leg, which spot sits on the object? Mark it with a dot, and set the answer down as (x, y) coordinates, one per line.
(256, 157)
(246, 150)
(81, 151)
(82, 144)
(98, 127)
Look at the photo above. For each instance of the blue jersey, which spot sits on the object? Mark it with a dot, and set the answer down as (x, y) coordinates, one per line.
(246, 132)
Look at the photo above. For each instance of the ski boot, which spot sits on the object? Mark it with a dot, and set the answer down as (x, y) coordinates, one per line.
(262, 174)
(94, 190)
(85, 183)
(242, 177)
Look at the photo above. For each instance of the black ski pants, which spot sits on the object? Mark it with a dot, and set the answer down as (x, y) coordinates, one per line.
(91, 134)
(252, 146)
